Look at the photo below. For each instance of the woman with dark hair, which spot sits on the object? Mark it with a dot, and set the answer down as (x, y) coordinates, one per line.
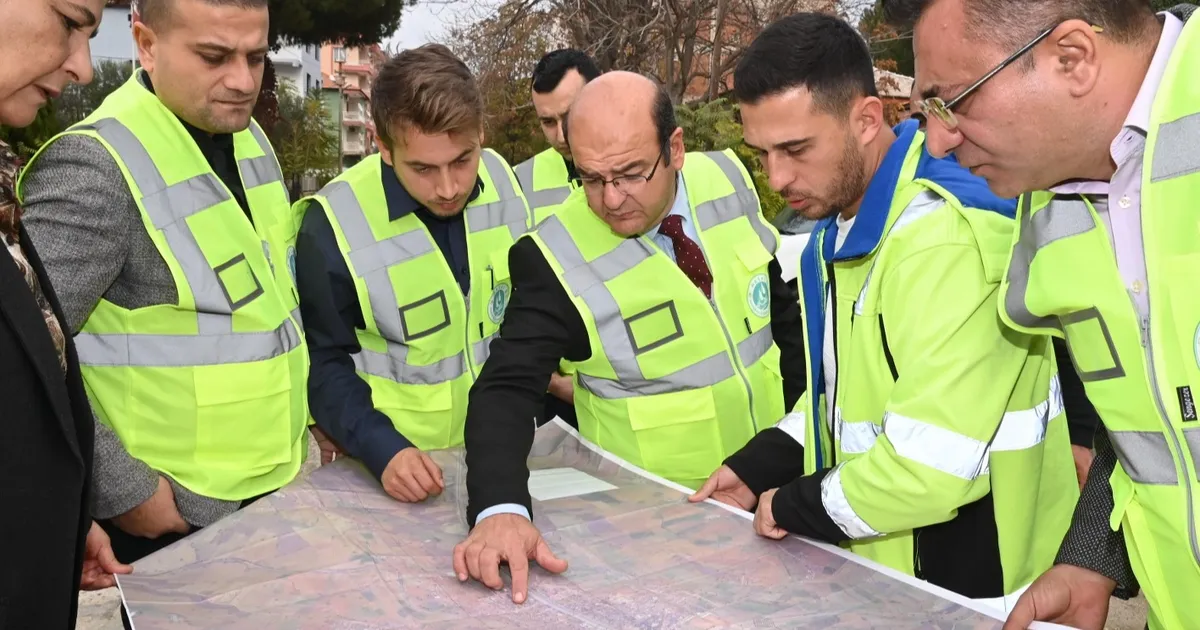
(52, 546)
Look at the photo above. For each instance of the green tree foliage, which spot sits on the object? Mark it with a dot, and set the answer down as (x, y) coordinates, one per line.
(891, 48)
(25, 141)
(78, 101)
(502, 52)
(303, 141)
(353, 22)
(714, 126)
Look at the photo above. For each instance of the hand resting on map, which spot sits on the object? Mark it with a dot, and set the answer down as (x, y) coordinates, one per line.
(510, 538)
(412, 476)
(725, 486)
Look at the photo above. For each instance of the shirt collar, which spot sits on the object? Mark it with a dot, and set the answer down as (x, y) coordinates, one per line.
(400, 202)
(680, 207)
(1138, 118)
(1139, 114)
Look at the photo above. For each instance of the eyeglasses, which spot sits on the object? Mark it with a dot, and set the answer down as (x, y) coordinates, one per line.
(625, 184)
(943, 111)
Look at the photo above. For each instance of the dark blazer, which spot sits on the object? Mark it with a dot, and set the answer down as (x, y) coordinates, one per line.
(541, 326)
(45, 460)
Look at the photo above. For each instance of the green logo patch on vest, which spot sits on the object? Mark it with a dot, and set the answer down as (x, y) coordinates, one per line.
(759, 295)
(499, 302)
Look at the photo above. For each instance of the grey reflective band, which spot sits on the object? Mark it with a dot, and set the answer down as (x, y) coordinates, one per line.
(1175, 153)
(524, 173)
(508, 210)
(548, 197)
(392, 366)
(538, 198)
(259, 171)
(752, 348)
(140, 350)
(586, 281)
(1146, 456)
(372, 258)
(1061, 218)
(168, 207)
(743, 202)
(482, 349)
(705, 373)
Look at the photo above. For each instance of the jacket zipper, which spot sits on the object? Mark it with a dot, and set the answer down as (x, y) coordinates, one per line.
(469, 351)
(1186, 481)
(831, 397)
(728, 337)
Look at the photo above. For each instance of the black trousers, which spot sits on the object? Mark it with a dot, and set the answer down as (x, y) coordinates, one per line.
(129, 548)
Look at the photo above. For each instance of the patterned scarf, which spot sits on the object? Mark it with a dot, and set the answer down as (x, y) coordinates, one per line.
(10, 237)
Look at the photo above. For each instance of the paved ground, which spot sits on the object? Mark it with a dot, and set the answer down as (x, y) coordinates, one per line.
(101, 610)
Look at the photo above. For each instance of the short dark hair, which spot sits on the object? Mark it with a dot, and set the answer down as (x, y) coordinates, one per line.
(426, 87)
(664, 118)
(155, 13)
(815, 51)
(551, 68)
(1013, 23)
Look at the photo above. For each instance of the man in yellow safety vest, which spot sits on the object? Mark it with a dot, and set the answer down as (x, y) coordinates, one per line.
(1090, 111)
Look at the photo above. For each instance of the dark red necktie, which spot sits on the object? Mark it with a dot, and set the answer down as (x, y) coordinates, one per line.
(687, 254)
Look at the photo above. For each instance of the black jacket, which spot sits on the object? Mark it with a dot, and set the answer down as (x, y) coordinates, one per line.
(45, 460)
(541, 326)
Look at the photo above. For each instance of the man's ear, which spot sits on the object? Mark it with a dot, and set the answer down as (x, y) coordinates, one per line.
(677, 148)
(1073, 54)
(867, 119)
(145, 39)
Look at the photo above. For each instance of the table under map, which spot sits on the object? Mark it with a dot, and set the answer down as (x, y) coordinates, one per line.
(332, 551)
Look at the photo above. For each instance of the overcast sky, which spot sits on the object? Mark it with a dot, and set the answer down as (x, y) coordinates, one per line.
(428, 19)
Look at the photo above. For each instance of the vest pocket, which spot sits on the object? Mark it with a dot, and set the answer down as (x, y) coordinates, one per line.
(421, 413)
(676, 435)
(1091, 345)
(244, 415)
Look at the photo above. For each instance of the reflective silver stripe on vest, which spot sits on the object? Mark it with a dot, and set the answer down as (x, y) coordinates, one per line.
(371, 260)
(752, 348)
(168, 207)
(742, 203)
(119, 350)
(482, 349)
(524, 173)
(388, 366)
(1062, 218)
(1175, 153)
(263, 169)
(538, 198)
(508, 210)
(586, 281)
(1145, 456)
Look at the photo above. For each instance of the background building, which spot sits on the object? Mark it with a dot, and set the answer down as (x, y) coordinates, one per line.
(347, 74)
(114, 40)
(301, 65)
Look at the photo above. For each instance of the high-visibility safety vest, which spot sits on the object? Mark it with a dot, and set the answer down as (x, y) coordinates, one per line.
(424, 341)
(675, 382)
(963, 467)
(211, 390)
(1143, 376)
(546, 183)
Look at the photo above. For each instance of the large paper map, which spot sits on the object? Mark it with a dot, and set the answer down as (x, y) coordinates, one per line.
(334, 552)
